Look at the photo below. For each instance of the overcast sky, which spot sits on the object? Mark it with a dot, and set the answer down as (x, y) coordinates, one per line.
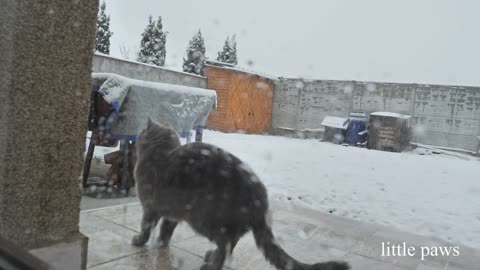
(420, 41)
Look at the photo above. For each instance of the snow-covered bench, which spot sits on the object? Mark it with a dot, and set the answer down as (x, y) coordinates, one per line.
(120, 107)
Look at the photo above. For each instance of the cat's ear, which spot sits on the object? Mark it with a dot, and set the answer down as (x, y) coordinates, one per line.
(149, 122)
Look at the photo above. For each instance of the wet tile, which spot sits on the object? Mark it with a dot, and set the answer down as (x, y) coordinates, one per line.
(358, 262)
(350, 228)
(251, 261)
(114, 211)
(154, 259)
(131, 220)
(463, 266)
(468, 256)
(303, 253)
(305, 249)
(448, 266)
(197, 245)
(396, 237)
(411, 239)
(182, 232)
(307, 235)
(372, 248)
(428, 267)
(89, 223)
(111, 244)
(337, 240)
(246, 255)
(300, 229)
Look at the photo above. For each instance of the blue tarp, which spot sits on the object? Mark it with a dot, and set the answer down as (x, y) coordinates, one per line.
(354, 127)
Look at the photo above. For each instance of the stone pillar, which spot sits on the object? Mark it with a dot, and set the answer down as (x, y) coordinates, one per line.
(46, 50)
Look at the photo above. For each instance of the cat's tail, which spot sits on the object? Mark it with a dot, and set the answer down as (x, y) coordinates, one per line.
(279, 258)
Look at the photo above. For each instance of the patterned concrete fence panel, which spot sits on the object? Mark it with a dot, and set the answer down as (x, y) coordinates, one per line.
(447, 116)
(285, 103)
(373, 97)
(321, 98)
(301, 104)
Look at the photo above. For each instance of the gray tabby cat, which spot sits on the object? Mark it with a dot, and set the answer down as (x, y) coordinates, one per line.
(210, 189)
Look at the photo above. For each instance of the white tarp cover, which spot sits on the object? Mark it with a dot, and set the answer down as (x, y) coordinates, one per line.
(335, 122)
(183, 107)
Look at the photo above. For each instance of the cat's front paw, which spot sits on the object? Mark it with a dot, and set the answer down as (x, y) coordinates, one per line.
(138, 240)
(163, 243)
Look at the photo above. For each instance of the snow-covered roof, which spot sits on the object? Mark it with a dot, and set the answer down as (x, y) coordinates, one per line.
(391, 114)
(358, 116)
(239, 69)
(218, 63)
(181, 106)
(335, 122)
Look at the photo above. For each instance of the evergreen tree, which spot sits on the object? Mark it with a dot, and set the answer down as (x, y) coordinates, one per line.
(233, 45)
(195, 55)
(152, 45)
(103, 31)
(229, 52)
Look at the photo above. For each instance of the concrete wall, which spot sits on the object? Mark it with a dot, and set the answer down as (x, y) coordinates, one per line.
(140, 71)
(45, 83)
(447, 116)
(300, 104)
(371, 97)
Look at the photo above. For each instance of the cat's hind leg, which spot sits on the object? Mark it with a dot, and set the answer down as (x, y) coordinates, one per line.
(213, 257)
(149, 221)
(216, 259)
(167, 227)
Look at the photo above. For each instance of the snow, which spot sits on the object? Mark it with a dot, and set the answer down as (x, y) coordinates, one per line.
(335, 122)
(114, 89)
(182, 106)
(440, 149)
(156, 85)
(100, 151)
(358, 116)
(434, 195)
(391, 114)
(239, 69)
(145, 64)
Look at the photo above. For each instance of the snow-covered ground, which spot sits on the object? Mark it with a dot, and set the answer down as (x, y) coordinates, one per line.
(437, 195)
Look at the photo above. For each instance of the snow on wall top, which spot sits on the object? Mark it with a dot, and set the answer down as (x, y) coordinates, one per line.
(335, 122)
(150, 65)
(391, 114)
(239, 69)
(133, 100)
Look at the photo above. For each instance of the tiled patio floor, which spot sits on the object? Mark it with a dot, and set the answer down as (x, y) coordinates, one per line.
(308, 235)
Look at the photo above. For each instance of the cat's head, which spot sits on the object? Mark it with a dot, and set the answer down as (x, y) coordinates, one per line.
(156, 134)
